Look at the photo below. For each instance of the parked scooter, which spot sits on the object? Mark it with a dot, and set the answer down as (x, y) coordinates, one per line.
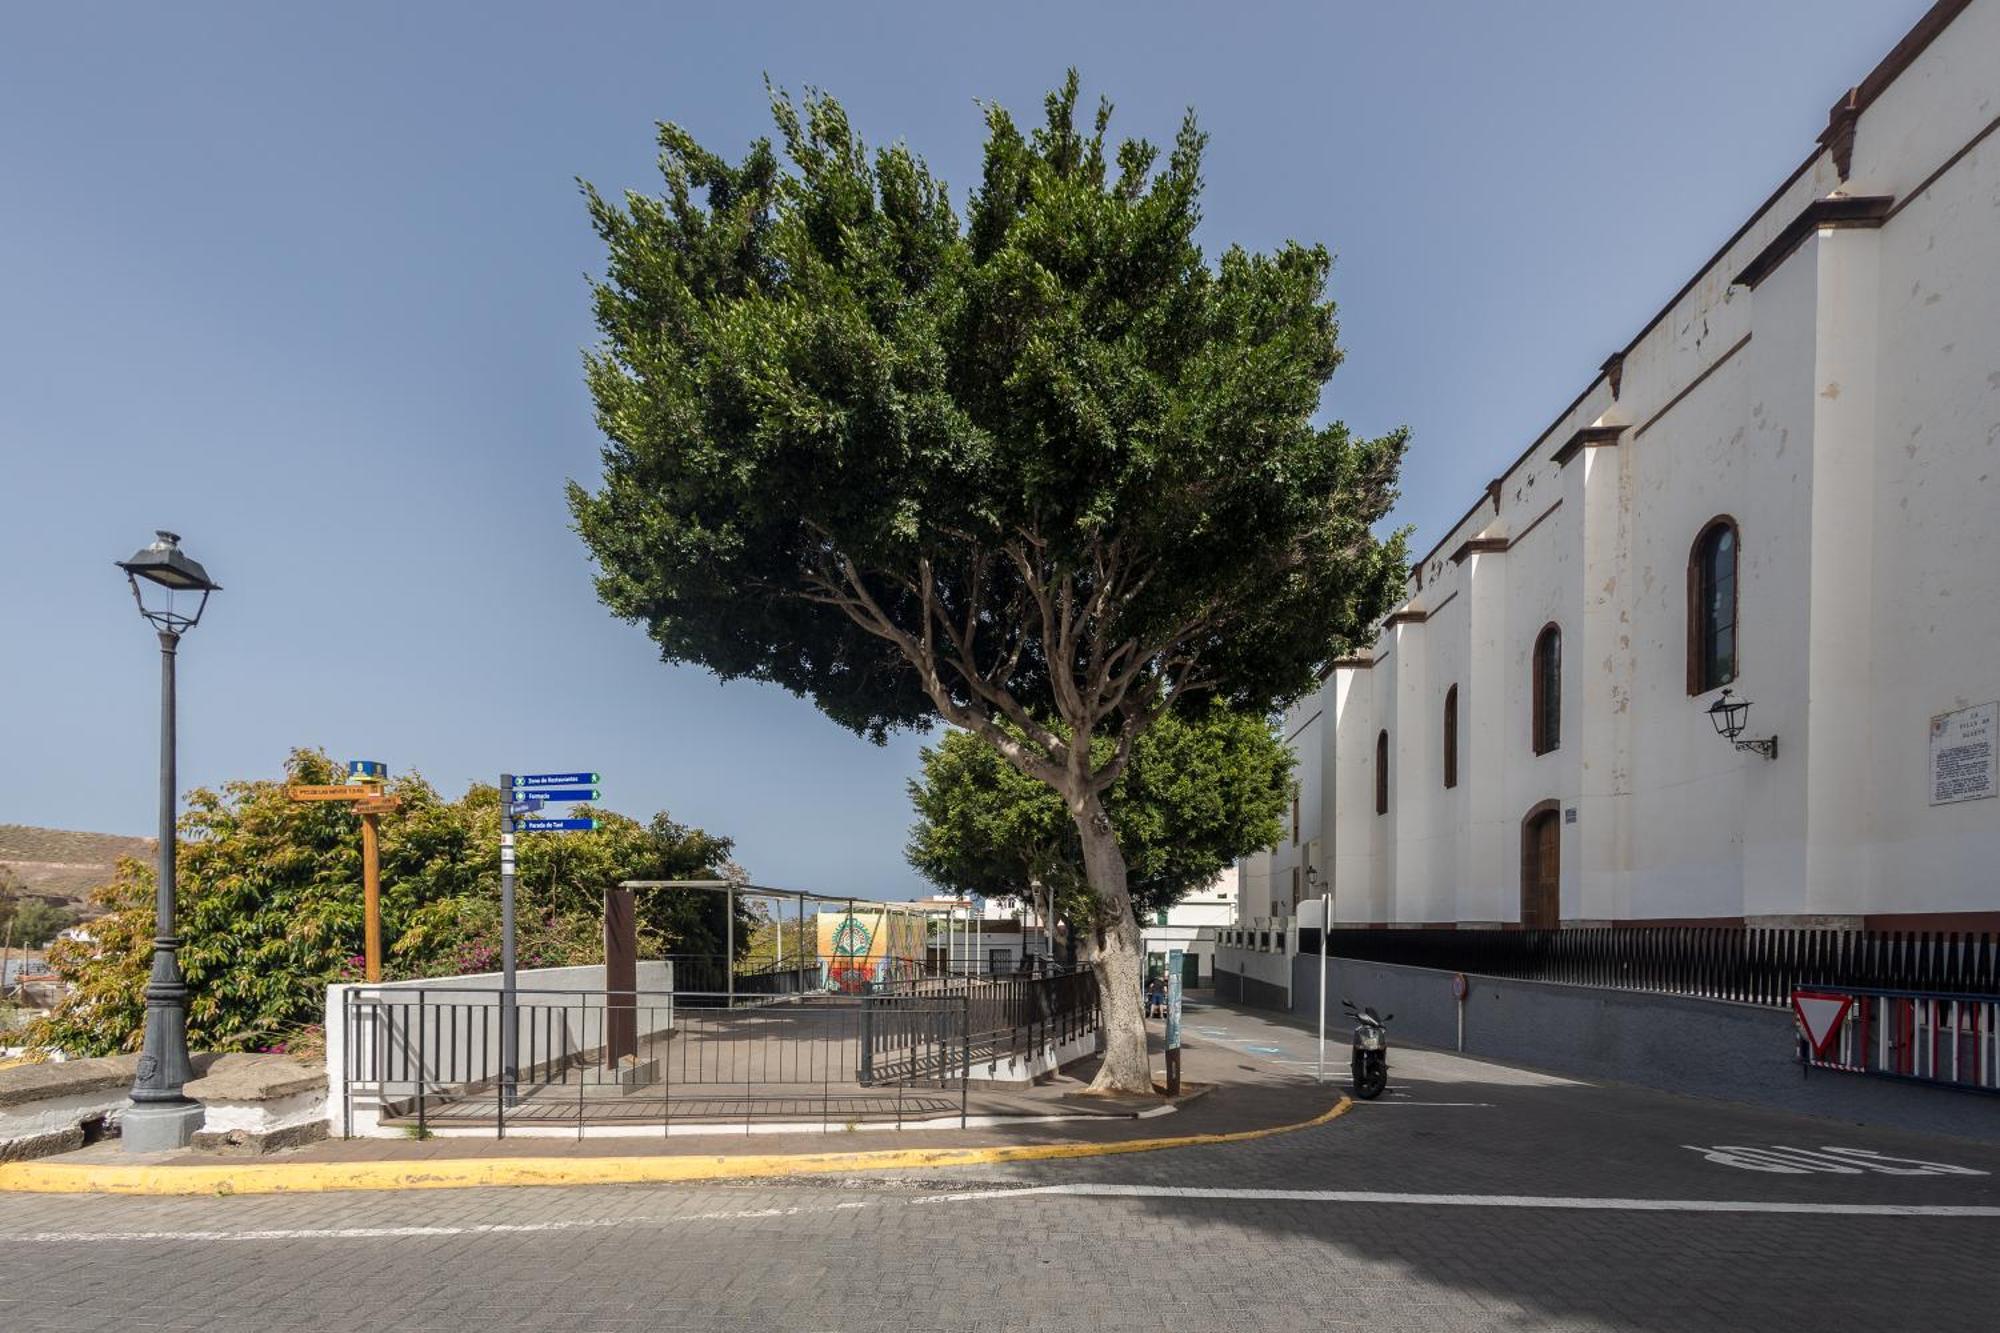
(1371, 1051)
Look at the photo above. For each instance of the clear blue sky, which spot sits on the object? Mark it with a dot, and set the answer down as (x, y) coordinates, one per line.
(306, 284)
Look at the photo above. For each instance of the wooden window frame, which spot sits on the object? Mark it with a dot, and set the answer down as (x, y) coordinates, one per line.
(1544, 721)
(1382, 772)
(1451, 737)
(1698, 650)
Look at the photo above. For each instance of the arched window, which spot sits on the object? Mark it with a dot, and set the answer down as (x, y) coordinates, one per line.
(1712, 607)
(1548, 686)
(1382, 773)
(1451, 737)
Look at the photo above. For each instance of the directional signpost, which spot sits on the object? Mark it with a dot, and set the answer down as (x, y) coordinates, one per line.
(523, 797)
(363, 790)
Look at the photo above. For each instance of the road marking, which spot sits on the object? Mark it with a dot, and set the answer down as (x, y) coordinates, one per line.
(1780, 1160)
(417, 1232)
(483, 1172)
(1486, 1201)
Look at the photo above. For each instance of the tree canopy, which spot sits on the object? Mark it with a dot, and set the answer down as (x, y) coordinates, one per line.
(1199, 793)
(1044, 471)
(270, 907)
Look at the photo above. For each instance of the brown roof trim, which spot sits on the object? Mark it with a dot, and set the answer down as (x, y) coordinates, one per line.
(1590, 437)
(1405, 618)
(1899, 58)
(1835, 211)
(1613, 371)
(1494, 545)
(1350, 663)
(1838, 136)
(1651, 324)
(1475, 545)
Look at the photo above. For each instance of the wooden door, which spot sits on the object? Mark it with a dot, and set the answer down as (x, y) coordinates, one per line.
(1541, 870)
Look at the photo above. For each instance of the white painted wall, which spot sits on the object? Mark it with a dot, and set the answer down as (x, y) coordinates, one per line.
(1845, 412)
(572, 997)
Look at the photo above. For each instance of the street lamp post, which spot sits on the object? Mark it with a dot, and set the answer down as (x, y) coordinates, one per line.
(161, 1115)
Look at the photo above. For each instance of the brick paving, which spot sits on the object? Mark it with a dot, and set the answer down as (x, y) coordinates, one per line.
(915, 1252)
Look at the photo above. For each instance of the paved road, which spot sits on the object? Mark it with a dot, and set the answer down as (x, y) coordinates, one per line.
(1471, 1197)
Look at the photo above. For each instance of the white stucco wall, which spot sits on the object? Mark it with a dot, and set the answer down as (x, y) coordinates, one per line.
(1844, 411)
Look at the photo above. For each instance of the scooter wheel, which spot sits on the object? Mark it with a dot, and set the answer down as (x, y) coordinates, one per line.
(1370, 1081)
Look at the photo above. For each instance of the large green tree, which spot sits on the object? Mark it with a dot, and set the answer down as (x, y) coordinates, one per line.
(270, 907)
(1044, 472)
(1198, 793)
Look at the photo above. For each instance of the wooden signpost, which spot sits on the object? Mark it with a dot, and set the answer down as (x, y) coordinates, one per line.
(364, 791)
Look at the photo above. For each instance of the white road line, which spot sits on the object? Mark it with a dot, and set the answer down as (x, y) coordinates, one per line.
(404, 1232)
(1485, 1201)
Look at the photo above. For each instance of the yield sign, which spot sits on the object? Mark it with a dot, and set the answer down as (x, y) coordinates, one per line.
(1821, 1015)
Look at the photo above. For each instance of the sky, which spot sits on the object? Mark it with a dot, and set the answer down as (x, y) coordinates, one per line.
(307, 285)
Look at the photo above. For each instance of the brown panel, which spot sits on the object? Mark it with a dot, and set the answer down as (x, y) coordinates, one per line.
(621, 975)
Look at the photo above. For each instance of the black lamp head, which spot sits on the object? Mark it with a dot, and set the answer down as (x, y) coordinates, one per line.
(1730, 715)
(165, 566)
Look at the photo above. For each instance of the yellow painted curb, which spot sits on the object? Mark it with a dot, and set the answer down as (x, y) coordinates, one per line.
(472, 1173)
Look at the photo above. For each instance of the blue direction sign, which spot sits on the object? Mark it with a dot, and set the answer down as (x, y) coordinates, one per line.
(526, 805)
(549, 825)
(546, 794)
(555, 780)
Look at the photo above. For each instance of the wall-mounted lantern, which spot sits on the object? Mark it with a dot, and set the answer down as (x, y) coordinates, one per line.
(1730, 716)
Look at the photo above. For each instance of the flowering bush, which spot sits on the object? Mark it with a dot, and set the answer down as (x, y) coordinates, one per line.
(270, 908)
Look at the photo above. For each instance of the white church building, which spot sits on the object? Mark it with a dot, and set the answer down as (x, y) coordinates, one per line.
(1784, 490)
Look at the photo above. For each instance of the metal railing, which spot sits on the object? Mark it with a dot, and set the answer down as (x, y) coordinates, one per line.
(1008, 1018)
(1949, 1039)
(431, 1057)
(1746, 964)
(699, 977)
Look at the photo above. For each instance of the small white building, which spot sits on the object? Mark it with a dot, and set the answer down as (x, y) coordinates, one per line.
(1784, 487)
(1190, 926)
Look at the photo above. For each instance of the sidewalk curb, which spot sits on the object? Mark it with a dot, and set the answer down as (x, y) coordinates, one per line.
(472, 1173)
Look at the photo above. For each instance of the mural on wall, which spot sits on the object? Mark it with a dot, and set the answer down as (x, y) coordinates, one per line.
(868, 945)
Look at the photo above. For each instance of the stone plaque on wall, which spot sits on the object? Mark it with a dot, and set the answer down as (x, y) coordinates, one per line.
(1963, 754)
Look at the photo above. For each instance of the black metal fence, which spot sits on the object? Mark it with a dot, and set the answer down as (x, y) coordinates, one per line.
(702, 980)
(1005, 1018)
(435, 1056)
(1747, 964)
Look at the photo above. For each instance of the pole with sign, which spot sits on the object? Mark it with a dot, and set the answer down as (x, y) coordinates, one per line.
(1325, 929)
(363, 790)
(522, 797)
(1174, 965)
(507, 1047)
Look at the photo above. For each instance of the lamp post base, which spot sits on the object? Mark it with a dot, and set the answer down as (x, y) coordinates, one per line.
(159, 1126)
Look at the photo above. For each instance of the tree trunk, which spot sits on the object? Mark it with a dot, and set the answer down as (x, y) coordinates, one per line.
(1118, 960)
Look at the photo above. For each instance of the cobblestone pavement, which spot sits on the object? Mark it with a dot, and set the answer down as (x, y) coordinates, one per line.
(1544, 1204)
